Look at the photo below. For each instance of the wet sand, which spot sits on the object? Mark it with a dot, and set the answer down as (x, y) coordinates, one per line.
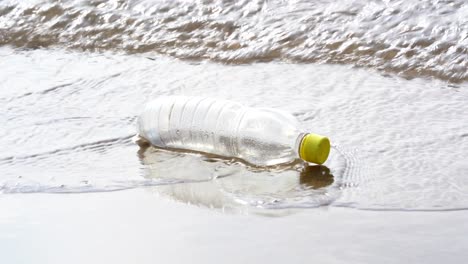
(139, 226)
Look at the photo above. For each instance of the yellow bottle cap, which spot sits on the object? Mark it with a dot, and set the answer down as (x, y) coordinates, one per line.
(314, 148)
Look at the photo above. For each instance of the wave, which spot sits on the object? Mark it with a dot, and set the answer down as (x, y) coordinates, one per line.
(408, 38)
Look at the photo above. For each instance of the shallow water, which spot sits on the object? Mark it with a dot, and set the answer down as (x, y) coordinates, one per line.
(76, 73)
(68, 118)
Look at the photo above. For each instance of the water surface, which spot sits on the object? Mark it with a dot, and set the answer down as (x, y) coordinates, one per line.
(385, 80)
(69, 118)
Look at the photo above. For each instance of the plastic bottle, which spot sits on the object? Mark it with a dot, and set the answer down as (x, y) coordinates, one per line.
(260, 136)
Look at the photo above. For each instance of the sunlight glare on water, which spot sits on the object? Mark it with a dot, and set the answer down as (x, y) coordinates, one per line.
(410, 38)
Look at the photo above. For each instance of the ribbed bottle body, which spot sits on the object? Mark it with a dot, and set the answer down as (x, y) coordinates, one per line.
(258, 136)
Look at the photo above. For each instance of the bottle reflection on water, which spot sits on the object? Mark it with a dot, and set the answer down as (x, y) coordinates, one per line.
(316, 177)
(234, 186)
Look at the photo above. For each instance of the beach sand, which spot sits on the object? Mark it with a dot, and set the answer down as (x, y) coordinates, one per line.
(139, 226)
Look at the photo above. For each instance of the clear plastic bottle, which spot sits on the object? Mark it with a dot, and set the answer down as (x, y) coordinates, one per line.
(260, 136)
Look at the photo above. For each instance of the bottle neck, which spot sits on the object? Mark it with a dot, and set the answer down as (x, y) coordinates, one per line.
(298, 143)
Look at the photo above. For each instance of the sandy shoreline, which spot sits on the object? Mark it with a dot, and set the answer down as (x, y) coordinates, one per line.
(385, 81)
(139, 226)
